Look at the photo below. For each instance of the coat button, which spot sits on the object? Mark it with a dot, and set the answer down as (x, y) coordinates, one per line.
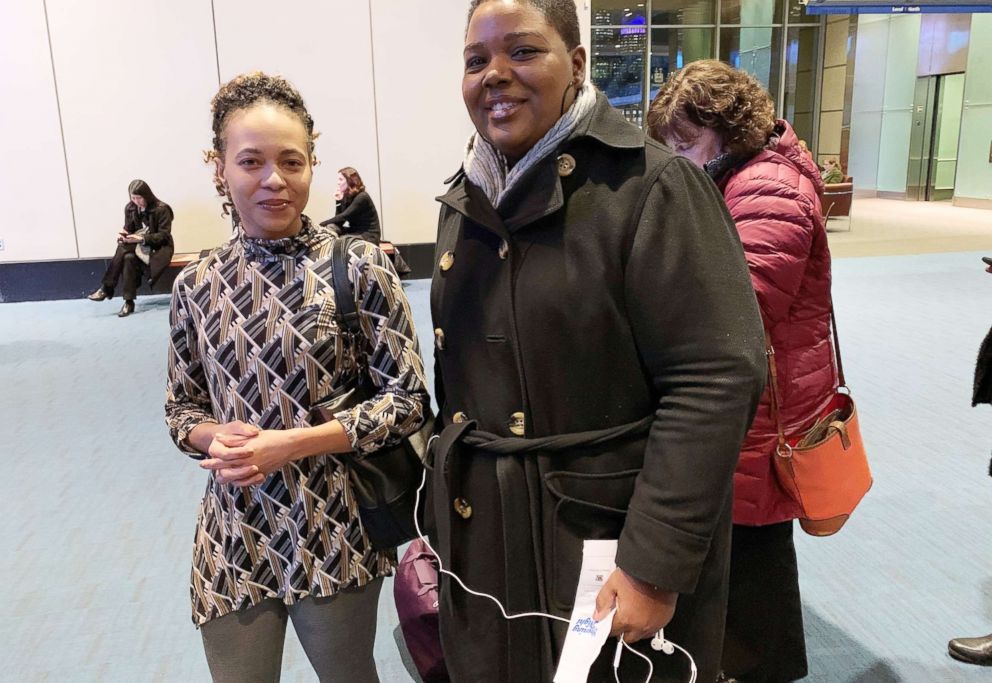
(439, 339)
(447, 260)
(462, 507)
(459, 417)
(504, 249)
(566, 164)
(518, 424)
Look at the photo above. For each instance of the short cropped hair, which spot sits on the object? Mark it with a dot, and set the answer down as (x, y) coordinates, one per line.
(561, 14)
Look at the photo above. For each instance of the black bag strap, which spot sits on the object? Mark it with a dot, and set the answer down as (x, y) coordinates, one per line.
(345, 309)
(840, 363)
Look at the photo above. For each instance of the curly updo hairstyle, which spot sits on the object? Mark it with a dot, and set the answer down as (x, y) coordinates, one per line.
(243, 92)
(712, 94)
(561, 14)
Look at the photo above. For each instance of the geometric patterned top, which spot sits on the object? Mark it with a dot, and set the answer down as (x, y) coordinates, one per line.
(254, 338)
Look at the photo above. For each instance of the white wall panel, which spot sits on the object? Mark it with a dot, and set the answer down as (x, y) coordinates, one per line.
(135, 80)
(323, 47)
(897, 114)
(584, 10)
(974, 177)
(423, 125)
(868, 100)
(37, 217)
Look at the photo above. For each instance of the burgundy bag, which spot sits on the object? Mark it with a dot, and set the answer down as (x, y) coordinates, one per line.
(415, 591)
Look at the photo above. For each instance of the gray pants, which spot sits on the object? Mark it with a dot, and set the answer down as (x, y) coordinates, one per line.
(337, 633)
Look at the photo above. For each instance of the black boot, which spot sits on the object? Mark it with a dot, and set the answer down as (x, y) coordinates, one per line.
(101, 294)
(127, 309)
(972, 650)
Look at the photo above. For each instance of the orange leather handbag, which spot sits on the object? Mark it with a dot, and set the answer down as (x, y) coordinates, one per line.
(824, 469)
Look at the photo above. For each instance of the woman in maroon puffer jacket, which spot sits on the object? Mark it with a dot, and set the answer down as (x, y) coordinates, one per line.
(723, 120)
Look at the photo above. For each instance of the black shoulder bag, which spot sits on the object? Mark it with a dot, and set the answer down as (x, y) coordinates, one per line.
(385, 482)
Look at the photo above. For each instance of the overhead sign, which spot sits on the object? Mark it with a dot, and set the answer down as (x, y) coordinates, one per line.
(884, 7)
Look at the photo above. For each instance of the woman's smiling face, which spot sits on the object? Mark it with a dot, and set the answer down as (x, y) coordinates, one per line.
(518, 73)
(267, 169)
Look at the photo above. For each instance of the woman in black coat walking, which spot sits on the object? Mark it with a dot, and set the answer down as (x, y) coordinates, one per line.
(144, 244)
(355, 214)
(978, 650)
(599, 358)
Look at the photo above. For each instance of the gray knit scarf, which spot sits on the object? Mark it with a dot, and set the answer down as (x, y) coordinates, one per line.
(487, 168)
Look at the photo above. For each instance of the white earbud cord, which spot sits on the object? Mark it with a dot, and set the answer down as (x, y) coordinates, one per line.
(621, 644)
(440, 567)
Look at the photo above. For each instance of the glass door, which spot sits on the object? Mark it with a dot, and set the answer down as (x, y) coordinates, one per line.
(947, 133)
(933, 146)
(921, 138)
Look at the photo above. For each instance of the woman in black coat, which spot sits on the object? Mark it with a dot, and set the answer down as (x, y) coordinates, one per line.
(356, 214)
(599, 358)
(982, 390)
(144, 244)
(978, 650)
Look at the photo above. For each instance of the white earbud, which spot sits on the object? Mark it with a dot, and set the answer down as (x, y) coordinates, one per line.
(659, 644)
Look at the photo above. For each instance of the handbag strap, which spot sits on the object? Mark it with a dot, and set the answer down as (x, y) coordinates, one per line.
(345, 310)
(840, 363)
(783, 447)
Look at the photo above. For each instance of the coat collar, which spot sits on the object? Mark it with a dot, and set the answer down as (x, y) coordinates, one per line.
(539, 193)
(609, 127)
(471, 202)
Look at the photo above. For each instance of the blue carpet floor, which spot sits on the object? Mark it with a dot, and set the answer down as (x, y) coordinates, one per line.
(98, 506)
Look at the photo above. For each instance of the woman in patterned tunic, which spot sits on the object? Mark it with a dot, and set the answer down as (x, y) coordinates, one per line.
(255, 350)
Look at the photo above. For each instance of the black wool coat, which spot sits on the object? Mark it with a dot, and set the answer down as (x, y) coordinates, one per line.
(982, 392)
(611, 291)
(159, 236)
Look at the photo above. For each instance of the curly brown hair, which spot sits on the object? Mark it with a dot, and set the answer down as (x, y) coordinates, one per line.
(243, 92)
(712, 94)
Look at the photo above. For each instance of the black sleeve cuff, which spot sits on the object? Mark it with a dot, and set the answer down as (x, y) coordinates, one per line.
(659, 554)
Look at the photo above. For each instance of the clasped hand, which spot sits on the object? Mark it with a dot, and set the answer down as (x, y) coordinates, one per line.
(642, 609)
(243, 455)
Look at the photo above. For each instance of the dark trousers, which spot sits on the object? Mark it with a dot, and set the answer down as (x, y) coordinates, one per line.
(337, 634)
(127, 266)
(764, 641)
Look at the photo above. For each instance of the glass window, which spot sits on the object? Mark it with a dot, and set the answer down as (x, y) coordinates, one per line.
(751, 12)
(682, 12)
(683, 31)
(797, 13)
(755, 50)
(800, 80)
(617, 68)
(673, 48)
(618, 13)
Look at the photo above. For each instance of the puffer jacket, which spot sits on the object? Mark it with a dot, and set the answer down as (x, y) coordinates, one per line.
(774, 199)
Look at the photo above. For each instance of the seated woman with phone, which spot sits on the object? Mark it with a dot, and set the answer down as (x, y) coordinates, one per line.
(143, 244)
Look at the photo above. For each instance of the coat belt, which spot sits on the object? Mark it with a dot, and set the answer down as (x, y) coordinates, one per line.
(446, 467)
